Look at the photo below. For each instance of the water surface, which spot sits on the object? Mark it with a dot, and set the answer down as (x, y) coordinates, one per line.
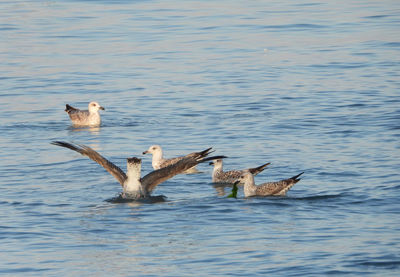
(308, 86)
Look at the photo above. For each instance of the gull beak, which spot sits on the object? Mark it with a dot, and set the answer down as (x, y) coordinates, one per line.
(145, 152)
(102, 108)
(236, 183)
(211, 163)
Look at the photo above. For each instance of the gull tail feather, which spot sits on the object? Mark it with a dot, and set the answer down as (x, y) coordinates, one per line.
(69, 108)
(258, 169)
(296, 178)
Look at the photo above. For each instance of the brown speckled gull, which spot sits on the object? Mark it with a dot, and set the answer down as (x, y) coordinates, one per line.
(278, 188)
(230, 177)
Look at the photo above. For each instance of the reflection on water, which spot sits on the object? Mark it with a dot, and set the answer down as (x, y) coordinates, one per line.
(92, 130)
(222, 189)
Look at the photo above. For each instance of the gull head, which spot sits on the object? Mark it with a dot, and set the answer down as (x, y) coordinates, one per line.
(94, 107)
(154, 149)
(245, 178)
(216, 162)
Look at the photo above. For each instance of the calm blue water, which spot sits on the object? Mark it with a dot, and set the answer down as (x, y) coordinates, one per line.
(306, 85)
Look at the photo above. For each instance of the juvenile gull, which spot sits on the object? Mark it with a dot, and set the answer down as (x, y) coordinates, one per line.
(158, 161)
(90, 117)
(230, 177)
(134, 187)
(278, 188)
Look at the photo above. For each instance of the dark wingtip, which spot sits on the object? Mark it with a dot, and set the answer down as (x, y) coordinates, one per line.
(206, 152)
(258, 169)
(212, 158)
(69, 145)
(265, 164)
(296, 178)
(59, 143)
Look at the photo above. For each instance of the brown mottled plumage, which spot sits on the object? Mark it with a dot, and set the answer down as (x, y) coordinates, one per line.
(230, 177)
(278, 188)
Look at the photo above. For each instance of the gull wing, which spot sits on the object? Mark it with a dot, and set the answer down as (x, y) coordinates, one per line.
(277, 188)
(93, 155)
(156, 177)
(229, 176)
(168, 162)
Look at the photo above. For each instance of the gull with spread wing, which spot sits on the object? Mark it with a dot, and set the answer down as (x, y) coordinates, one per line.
(134, 187)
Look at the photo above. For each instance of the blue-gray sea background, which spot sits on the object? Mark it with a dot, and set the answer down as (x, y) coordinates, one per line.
(309, 86)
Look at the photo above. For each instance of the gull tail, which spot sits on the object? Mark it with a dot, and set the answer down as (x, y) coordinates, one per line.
(69, 108)
(257, 170)
(296, 178)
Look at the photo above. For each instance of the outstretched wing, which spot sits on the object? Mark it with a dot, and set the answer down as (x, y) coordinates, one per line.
(151, 180)
(168, 162)
(93, 155)
(156, 177)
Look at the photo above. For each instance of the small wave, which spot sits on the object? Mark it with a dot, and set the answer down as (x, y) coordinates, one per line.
(318, 197)
(381, 264)
(376, 16)
(302, 27)
(23, 270)
(392, 44)
(29, 126)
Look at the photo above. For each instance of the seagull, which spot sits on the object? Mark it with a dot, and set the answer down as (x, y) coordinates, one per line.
(134, 187)
(278, 188)
(90, 117)
(230, 177)
(158, 160)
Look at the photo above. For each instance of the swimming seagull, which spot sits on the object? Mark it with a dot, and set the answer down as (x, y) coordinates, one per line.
(278, 188)
(133, 186)
(90, 117)
(158, 160)
(230, 177)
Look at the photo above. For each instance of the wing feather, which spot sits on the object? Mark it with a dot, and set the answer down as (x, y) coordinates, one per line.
(156, 177)
(93, 155)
